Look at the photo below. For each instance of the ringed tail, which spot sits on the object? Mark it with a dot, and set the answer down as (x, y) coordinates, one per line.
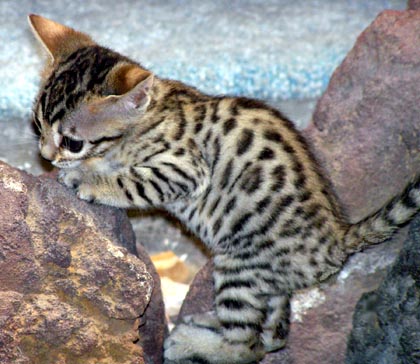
(382, 224)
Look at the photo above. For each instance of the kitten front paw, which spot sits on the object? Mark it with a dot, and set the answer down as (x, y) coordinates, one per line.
(86, 192)
(71, 178)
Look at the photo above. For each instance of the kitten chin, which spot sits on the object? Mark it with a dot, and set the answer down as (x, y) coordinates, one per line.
(66, 164)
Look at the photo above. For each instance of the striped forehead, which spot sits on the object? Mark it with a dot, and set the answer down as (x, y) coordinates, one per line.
(83, 73)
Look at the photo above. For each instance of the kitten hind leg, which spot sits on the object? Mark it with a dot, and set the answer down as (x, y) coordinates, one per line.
(201, 338)
(277, 322)
(240, 307)
(233, 334)
(193, 344)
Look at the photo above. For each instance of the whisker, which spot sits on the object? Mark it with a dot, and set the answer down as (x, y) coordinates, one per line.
(4, 146)
(23, 135)
(31, 134)
(20, 142)
(21, 138)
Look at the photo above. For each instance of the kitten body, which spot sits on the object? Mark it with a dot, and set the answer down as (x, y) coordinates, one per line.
(234, 170)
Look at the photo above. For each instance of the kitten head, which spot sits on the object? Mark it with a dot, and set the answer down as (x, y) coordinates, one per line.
(89, 98)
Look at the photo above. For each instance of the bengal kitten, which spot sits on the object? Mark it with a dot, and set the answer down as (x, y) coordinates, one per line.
(234, 170)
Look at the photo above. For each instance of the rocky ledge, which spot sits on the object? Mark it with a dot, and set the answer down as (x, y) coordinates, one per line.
(72, 289)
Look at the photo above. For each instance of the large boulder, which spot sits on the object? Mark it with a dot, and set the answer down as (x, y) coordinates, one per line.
(413, 5)
(366, 132)
(366, 128)
(72, 289)
(386, 325)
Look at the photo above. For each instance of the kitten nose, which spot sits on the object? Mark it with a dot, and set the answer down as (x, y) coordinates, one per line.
(48, 152)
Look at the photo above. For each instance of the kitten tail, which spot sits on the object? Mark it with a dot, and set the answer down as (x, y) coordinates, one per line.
(381, 225)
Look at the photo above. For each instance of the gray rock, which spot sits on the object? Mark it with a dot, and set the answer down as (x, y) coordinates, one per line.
(386, 324)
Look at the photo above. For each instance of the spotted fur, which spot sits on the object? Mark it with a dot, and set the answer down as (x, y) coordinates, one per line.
(234, 170)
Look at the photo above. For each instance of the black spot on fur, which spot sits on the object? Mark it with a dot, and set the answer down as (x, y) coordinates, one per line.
(229, 125)
(245, 141)
(279, 178)
(226, 174)
(273, 136)
(266, 153)
(252, 180)
(198, 127)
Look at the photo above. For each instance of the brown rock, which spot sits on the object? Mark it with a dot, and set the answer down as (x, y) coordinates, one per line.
(154, 329)
(200, 297)
(366, 128)
(68, 293)
(413, 5)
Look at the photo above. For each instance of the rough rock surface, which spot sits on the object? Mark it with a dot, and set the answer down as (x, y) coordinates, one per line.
(413, 5)
(364, 126)
(68, 292)
(386, 325)
(367, 122)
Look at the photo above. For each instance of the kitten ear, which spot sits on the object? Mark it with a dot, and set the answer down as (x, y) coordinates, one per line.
(59, 40)
(138, 97)
(125, 77)
(132, 84)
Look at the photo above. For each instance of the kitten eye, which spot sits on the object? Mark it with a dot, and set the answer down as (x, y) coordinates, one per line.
(72, 145)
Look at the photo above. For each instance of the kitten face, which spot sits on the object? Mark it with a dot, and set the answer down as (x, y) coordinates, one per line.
(91, 95)
(93, 128)
(88, 131)
(79, 123)
(89, 101)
